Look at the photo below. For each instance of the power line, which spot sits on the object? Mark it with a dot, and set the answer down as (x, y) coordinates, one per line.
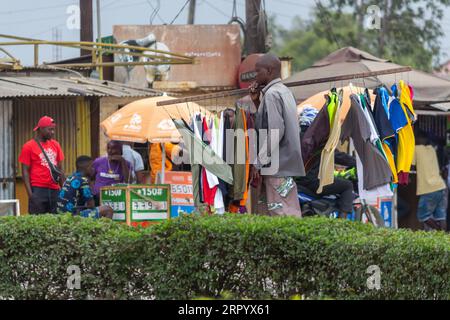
(243, 6)
(128, 5)
(32, 20)
(44, 31)
(179, 12)
(48, 18)
(155, 12)
(109, 4)
(34, 9)
(217, 9)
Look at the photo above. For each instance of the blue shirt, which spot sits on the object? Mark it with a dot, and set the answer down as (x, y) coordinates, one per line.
(75, 192)
(397, 116)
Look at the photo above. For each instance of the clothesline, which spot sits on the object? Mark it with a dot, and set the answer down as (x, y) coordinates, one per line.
(239, 92)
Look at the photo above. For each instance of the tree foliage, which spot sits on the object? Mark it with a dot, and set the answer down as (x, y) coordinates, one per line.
(409, 32)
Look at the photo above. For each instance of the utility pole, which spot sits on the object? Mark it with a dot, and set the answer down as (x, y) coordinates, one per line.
(86, 24)
(56, 50)
(99, 39)
(256, 42)
(191, 16)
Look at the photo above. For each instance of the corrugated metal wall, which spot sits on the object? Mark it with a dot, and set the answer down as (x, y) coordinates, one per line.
(83, 127)
(435, 126)
(7, 151)
(64, 111)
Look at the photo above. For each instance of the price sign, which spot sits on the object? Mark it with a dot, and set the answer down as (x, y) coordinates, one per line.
(150, 203)
(181, 192)
(138, 205)
(116, 198)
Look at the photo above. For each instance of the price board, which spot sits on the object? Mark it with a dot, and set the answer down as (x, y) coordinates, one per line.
(182, 194)
(138, 204)
(116, 198)
(149, 203)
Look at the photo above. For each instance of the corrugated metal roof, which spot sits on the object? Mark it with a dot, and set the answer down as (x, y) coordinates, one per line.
(14, 87)
(441, 106)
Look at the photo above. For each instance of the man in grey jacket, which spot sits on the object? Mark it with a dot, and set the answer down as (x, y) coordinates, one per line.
(279, 156)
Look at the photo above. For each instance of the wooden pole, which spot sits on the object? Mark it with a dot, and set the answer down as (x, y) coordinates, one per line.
(255, 40)
(86, 24)
(191, 17)
(163, 168)
(239, 92)
(36, 55)
(99, 39)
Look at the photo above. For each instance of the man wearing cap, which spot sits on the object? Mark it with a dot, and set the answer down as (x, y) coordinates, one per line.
(42, 179)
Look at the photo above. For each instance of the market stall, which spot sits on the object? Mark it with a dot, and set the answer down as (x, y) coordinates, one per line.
(378, 148)
(142, 121)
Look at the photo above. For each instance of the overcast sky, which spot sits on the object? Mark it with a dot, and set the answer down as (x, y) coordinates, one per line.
(38, 18)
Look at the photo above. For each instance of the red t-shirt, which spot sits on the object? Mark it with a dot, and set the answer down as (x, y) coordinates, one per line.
(33, 157)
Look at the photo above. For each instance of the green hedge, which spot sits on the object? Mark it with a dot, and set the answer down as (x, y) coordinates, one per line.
(246, 256)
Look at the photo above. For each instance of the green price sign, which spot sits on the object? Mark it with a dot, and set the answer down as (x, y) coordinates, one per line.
(150, 203)
(116, 198)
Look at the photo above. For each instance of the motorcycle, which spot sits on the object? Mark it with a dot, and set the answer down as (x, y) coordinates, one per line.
(312, 204)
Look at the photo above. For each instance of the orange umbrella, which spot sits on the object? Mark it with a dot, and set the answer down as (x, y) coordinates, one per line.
(142, 121)
(318, 101)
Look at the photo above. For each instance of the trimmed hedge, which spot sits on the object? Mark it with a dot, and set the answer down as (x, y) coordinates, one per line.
(248, 256)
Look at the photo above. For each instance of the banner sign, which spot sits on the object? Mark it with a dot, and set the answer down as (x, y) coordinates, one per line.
(216, 48)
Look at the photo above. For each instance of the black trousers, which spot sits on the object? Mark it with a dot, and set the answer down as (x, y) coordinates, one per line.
(341, 187)
(42, 201)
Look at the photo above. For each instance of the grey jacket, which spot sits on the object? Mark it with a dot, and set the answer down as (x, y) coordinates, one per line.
(279, 150)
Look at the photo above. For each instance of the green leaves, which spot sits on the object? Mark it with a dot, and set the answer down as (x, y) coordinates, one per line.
(244, 256)
(410, 32)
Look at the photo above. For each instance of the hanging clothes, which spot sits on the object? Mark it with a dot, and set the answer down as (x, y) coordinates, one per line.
(240, 156)
(387, 134)
(243, 201)
(381, 114)
(373, 194)
(198, 130)
(241, 166)
(217, 147)
(357, 127)
(326, 169)
(398, 120)
(406, 99)
(209, 180)
(201, 157)
(315, 137)
(223, 127)
(406, 143)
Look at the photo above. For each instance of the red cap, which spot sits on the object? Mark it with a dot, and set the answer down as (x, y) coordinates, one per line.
(45, 122)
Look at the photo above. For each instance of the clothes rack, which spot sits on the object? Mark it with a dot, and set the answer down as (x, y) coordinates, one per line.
(239, 92)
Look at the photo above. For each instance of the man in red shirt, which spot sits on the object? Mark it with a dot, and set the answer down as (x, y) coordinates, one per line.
(42, 186)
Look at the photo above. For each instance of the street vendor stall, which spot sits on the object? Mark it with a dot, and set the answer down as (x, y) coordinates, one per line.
(344, 107)
(380, 196)
(142, 121)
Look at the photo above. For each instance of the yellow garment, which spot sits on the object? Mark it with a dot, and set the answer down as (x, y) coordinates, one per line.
(156, 158)
(406, 139)
(406, 98)
(391, 162)
(243, 201)
(326, 169)
(332, 107)
(428, 176)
